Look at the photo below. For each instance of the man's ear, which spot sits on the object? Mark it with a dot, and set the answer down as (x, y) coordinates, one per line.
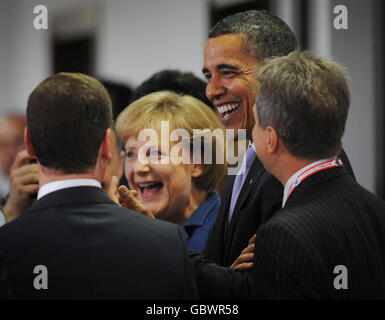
(271, 140)
(105, 148)
(28, 144)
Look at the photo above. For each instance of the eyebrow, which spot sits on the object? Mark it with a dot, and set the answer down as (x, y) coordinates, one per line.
(221, 66)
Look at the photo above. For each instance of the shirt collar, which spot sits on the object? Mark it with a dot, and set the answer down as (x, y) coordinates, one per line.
(247, 161)
(294, 177)
(68, 183)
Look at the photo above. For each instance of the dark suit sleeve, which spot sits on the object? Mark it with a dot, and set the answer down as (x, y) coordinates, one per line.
(216, 282)
(4, 288)
(189, 290)
(282, 266)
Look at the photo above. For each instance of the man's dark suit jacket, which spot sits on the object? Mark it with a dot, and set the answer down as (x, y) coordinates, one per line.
(329, 220)
(260, 198)
(94, 249)
(4, 289)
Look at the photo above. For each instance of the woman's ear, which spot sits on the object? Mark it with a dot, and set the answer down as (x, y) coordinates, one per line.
(197, 170)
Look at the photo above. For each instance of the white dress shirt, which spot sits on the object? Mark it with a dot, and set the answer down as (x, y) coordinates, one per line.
(64, 184)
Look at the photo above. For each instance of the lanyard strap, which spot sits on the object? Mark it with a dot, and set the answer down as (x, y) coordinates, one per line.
(332, 163)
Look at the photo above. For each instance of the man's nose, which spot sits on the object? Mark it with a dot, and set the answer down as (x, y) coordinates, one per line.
(215, 89)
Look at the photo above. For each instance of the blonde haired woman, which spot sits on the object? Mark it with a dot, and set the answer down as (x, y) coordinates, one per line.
(169, 175)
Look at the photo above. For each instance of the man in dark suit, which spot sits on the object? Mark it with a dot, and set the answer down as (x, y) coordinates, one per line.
(74, 242)
(328, 240)
(237, 45)
(4, 289)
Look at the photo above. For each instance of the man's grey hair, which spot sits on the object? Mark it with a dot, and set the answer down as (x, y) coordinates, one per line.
(306, 99)
(264, 34)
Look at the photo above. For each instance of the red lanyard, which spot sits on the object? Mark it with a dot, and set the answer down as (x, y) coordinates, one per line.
(335, 162)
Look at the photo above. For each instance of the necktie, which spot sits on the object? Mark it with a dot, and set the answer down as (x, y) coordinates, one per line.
(240, 179)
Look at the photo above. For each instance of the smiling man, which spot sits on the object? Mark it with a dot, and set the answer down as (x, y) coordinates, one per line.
(237, 46)
(232, 83)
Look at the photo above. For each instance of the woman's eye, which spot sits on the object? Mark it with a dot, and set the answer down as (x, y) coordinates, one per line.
(156, 153)
(130, 154)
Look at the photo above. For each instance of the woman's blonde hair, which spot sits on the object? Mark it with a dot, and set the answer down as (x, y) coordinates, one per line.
(181, 112)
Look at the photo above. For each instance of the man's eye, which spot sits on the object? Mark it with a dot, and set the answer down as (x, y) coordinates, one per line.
(228, 73)
(207, 76)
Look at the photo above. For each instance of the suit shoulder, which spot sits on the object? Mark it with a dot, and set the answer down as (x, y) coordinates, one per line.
(140, 220)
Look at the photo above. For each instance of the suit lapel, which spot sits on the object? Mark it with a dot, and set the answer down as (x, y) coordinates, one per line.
(251, 182)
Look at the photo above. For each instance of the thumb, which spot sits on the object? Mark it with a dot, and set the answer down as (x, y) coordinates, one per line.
(112, 191)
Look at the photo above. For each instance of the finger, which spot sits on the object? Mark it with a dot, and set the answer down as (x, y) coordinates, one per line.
(29, 178)
(25, 169)
(243, 258)
(30, 189)
(244, 266)
(127, 197)
(114, 184)
(20, 159)
(248, 249)
(123, 190)
(112, 191)
(247, 257)
(129, 200)
(252, 239)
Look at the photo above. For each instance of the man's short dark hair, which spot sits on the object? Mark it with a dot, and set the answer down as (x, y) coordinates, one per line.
(264, 34)
(185, 83)
(67, 117)
(306, 99)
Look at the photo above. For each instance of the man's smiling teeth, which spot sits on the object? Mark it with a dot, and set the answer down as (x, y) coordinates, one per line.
(228, 107)
(148, 185)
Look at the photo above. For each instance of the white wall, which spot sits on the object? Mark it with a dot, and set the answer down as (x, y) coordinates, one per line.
(355, 49)
(140, 37)
(5, 54)
(24, 54)
(135, 38)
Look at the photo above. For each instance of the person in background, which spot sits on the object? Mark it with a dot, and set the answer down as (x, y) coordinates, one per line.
(173, 80)
(11, 143)
(19, 171)
(120, 94)
(87, 246)
(180, 192)
(328, 239)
